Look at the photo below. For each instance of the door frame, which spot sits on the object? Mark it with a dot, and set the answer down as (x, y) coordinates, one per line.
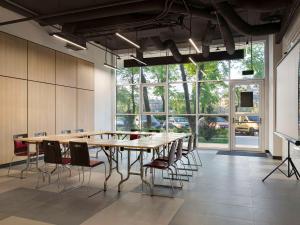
(261, 141)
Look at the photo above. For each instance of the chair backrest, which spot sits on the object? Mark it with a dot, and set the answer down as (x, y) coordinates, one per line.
(154, 130)
(40, 134)
(134, 136)
(66, 131)
(79, 154)
(171, 157)
(52, 152)
(191, 143)
(179, 149)
(20, 146)
(79, 130)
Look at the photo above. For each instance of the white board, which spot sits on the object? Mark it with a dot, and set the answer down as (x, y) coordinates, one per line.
(287, 104)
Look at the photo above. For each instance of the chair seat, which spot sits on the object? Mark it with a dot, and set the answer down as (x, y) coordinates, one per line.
(66, 161)
(25, 154)
(94, 163)
(159, 164)
(163, 158)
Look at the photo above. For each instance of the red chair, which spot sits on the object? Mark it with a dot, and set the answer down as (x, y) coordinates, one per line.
(53, 155)
(21, 149)
(80, 157)
(164, 165)
(189, 151)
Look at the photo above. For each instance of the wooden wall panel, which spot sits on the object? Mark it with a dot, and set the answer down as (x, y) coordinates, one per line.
(66, 69)
(41, 108)
(41, 63)
(13, 56)
(13, 114)
(65, 108)
(85, 109)
(85, 74)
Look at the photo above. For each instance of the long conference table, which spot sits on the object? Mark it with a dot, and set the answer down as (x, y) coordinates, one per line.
(113, 142)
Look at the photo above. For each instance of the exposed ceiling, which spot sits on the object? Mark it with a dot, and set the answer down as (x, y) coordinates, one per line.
(151, 22)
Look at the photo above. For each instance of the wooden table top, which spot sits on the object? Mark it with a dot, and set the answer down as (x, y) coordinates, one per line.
(147, 141)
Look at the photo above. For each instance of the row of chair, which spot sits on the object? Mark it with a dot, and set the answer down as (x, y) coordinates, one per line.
(172, 162)
(21, 149)
(79, 156)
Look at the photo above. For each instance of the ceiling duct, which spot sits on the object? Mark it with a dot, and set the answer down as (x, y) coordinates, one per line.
(168, 44)
(241, 26)
(227, 35)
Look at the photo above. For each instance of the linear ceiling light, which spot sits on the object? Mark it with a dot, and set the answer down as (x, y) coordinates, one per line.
(191, 59)
(111, 67)
(68, 41)
(194, 45)
(138, 60)
(126, 39)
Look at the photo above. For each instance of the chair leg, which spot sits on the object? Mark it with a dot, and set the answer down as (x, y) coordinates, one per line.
(26, 168)
(58, 177)
(82, 168)
(90, 176)
(198, 157)
(171, 180)
(12, 159)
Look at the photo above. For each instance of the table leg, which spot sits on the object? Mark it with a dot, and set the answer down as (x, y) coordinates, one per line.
(109, 157)
(128, 172)
(117, 163)
(142, 171)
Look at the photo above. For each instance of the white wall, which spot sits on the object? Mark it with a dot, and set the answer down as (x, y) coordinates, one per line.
(104, 79)
(277, 146)
(290, 38)
(275, 53)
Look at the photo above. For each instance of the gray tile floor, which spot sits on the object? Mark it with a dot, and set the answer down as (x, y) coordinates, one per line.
(226, 190)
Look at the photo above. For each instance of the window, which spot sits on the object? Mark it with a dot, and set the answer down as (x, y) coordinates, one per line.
(183, 97)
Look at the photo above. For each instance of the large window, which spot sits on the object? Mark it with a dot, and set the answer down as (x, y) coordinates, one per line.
(183, 97)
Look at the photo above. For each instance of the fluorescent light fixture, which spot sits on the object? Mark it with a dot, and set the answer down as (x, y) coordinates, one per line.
(126, 39)
(138, 60)
(191, 59)
(111, 67)
(194, 45)
(68, 41)
(203, 73)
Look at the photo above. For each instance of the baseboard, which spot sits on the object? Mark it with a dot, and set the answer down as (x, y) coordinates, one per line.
(16, 163)
(274, 156)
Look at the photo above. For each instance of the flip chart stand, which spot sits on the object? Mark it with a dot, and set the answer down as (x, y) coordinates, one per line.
(291, 168)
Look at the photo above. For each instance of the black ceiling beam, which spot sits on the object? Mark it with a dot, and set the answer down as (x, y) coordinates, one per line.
(166, 60)
(34, 16)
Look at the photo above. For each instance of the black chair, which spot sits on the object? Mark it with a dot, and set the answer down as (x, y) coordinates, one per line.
(189, 151)
(79, 130)
(80, 157)
(66, 131)
(53, 155)
(40, 146)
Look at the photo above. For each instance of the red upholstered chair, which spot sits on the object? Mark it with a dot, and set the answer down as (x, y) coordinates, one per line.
(134, 136)
(21, 149)
(53, 155)
(164, 165)
(189, 151)
(80, 157)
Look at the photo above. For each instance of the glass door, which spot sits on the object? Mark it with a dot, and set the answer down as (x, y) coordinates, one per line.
(246, 115)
